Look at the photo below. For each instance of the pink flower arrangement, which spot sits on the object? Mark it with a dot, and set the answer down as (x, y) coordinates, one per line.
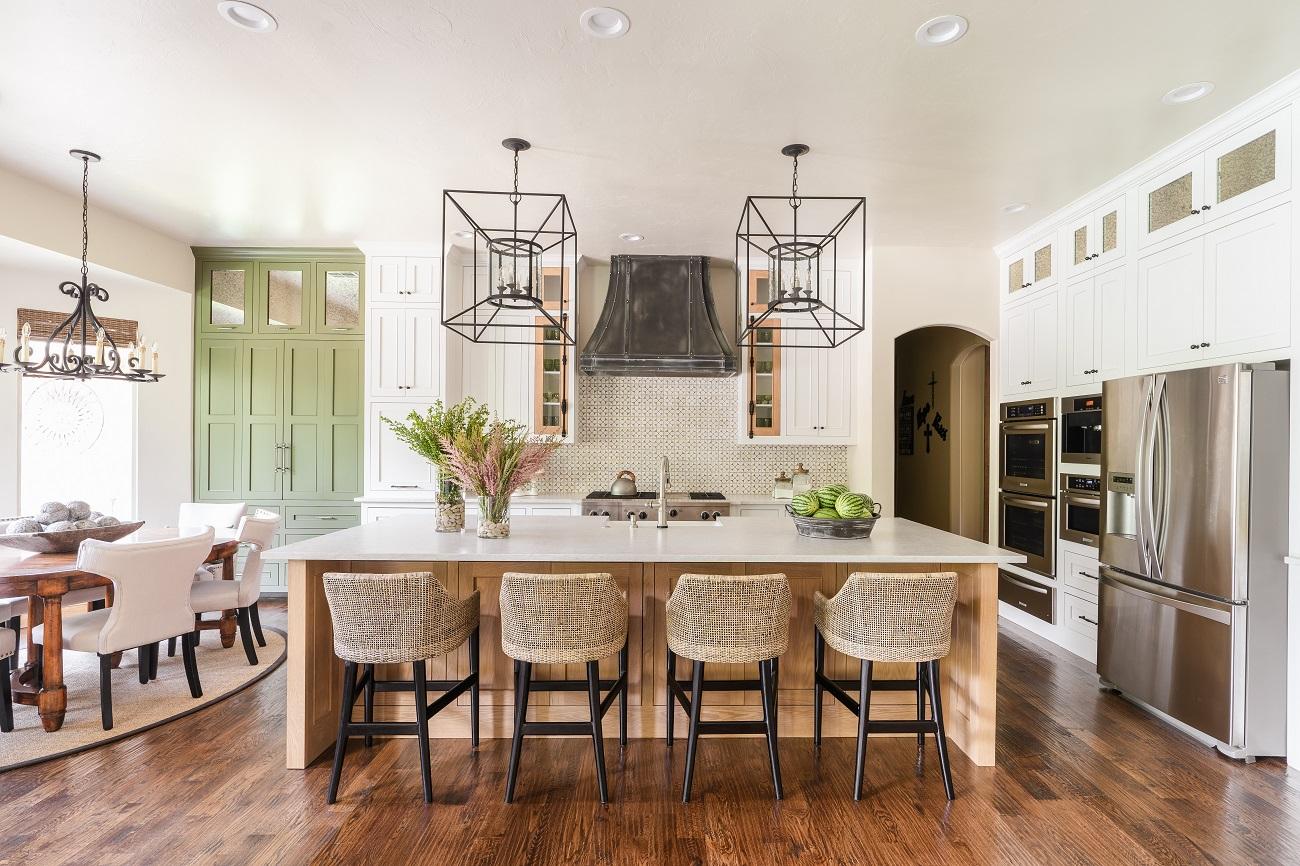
(497, 462)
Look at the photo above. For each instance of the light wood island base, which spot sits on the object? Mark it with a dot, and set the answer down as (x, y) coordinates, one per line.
(969, 671)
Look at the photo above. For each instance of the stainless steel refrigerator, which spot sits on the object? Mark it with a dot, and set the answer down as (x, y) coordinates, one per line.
(1194, 528)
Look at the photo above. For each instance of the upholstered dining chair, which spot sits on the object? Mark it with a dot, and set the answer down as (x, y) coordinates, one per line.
(209, 596)
(151, 603)
(221, 516)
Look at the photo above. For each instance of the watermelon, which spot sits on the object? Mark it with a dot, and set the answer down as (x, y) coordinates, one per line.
(804, 504)
(826, 514)
(827, 495)
(852, 505)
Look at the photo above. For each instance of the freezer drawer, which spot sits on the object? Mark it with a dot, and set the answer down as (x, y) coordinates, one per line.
(1168, 649)
(1028, 595)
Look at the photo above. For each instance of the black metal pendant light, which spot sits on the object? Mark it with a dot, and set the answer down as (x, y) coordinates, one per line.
(507, 264)
(81, 347)
(801, 266)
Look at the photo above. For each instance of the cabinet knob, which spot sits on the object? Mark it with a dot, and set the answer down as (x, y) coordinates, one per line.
(1205, 207)
(1196, 210)
(1205, 345)
(1025, 382)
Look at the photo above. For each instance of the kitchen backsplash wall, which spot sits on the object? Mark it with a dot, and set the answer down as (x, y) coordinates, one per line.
(628, 422)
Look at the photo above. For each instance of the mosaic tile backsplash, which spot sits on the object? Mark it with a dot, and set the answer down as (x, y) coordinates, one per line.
(628, 422)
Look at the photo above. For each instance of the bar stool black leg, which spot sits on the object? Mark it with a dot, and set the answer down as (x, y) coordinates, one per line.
(920, 701)
(597, 734)
(767, 679)
(473, 690)
(693, 738)
(672, 698)
(368, 708)
(622, 698)
(776, 684)
(819, 668)
(524, 673)
(864, 717)
(419, 673)
(940, 738)
(345, 716)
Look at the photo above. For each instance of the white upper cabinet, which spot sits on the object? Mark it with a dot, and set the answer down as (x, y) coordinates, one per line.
(386, 279)
(405, 348)
(1095, 318)
(816, 387)
(1239, 171)
(1035, 267)
(423, 283)
(500, 376)
(385, 356)
(1170, 305)
(1029, 345)
(423, 341)
(1248, 285)
(1095, 239)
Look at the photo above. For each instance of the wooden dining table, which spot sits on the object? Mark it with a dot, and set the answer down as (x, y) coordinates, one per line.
(46, 578)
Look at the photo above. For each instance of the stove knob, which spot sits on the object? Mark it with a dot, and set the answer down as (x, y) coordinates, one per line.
(717, 514)
(642, 515)
(604, 514)
(704, 515)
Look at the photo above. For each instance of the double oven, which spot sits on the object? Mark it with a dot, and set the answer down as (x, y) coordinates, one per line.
(1027, 503)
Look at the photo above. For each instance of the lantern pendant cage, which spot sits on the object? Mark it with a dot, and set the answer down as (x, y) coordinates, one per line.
(81, 346)
(507, 264)
(801, 266)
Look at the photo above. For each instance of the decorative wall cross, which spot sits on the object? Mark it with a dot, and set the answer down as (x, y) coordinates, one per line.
(929, 425)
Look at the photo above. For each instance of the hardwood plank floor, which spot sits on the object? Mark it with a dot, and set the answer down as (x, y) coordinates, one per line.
(1082, 777)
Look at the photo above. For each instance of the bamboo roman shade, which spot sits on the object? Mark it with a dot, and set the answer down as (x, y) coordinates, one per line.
(43, 322)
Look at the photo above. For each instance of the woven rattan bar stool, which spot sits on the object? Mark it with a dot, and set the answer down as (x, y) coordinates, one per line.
(887, 618)
(727, 619)
(398, 619)
(565, 619)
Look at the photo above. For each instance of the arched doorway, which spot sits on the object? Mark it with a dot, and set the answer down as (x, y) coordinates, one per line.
(941, 436)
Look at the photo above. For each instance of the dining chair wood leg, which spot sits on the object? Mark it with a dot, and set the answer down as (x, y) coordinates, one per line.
(345, 716)
(693, 738)
(368, 698)
(864, 719)
(106, 691)
(524, 673)
(257, 624)
(246, 634)
(474, 689)
(940, 738)
(819, 669)
(419, 672)
(597, 732)
(188, 642)
(622, 698)
(767, 685)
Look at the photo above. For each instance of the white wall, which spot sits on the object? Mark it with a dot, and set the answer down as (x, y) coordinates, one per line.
(911, 287)
(29, 277)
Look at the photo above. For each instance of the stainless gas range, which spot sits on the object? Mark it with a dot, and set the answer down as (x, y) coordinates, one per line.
(681, 506)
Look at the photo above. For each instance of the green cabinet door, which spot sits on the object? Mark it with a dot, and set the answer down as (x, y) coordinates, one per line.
(322, 419)
(284, 298)
(218, 425)
(224, 302)
(340, 297)
(263, 458)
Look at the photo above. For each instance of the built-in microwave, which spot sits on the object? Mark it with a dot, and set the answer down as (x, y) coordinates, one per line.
(1028, 447)
(1080, 507)
(1081, 429)
(1027, 525)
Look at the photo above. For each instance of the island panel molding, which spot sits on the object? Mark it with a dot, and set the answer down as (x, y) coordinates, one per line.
(647, 563)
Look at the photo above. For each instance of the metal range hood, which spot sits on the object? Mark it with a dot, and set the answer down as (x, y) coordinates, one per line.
(658, 320)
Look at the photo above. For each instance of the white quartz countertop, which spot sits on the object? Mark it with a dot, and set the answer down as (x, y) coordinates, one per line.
(583, 539)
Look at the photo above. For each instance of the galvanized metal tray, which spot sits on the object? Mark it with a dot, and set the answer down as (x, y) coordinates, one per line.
(825, 527)
(67, 541)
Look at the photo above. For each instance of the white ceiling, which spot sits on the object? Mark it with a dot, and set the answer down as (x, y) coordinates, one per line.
(347, 122)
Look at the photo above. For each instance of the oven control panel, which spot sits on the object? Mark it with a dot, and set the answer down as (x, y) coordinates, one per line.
(1081, 483)
(1028, 410)
(1082, 404)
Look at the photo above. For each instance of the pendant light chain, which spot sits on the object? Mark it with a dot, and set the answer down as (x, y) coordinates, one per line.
(514, 196)
(85, 216)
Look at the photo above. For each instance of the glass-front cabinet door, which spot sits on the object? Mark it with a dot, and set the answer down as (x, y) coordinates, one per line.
(555, 288)
(1041, 262)
(1170, 202)
(226, 297)
(1015, 274)
(340, 296)
(760, 291)
(550, 389)
(284, 295)
(765, 381)
(1249, 166)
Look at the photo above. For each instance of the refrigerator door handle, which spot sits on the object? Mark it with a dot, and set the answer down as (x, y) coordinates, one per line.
(1161, 425)
(1220, 612)
(1145, 516)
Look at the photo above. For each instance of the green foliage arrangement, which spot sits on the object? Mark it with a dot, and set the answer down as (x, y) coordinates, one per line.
(427, 434)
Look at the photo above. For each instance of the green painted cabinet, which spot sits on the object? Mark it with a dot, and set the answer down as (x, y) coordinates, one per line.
(340, 293)
(218, 429)
(284, 298)
(322, 419)
(224, 297)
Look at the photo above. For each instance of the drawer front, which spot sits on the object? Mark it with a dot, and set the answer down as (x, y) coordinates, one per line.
(1028, 595)
(1080, 574)
(374, 515)
(326, 517)
(1081, 615)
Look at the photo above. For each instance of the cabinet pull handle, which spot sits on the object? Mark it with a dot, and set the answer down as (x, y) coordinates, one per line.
(1087, 620)
(404, 486)
(326, 517)
(1087, 575)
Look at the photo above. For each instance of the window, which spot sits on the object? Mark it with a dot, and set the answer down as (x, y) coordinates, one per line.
(78, 442)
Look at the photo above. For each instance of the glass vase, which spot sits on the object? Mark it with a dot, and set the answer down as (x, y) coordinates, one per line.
(451, 506)
(493, 516)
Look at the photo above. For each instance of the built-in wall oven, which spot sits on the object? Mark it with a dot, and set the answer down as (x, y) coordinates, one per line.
(1080, 506)
(1027, 525)
(1028, 447)
(1081, 429)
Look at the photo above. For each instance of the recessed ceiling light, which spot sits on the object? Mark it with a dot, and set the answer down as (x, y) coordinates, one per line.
(464, 234)
(604, 22)
(1015, 207)
(247, 16)
(1188, 93)
(632, 237)
(944, 30)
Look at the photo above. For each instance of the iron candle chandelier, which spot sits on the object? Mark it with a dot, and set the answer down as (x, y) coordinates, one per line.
(796, 266)
(88, 349)
(509, 253)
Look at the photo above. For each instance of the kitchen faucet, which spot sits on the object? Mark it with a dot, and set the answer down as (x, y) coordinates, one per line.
(661, 501)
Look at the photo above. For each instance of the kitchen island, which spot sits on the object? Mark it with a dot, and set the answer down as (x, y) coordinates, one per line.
(647, 562)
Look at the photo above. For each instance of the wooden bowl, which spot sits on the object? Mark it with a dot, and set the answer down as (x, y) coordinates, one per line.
(68, 540)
